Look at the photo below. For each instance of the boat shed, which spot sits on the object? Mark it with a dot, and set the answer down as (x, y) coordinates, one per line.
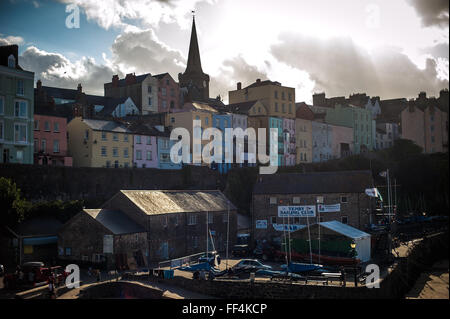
(335, 238)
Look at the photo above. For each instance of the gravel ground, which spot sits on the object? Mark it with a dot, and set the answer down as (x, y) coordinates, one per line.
(433, 284)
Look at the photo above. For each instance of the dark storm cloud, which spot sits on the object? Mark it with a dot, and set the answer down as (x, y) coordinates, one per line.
(432, 12)
(339, 67)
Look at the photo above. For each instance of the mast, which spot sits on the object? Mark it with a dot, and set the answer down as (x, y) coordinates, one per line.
(309, 237)
(228, 232)
(207, 235)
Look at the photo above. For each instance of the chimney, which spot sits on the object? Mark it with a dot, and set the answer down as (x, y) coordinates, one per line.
(130, 79)
(239, 85)
(38, 84)
(258, 80)
(422, 95)
(115, 80)
(80, 88)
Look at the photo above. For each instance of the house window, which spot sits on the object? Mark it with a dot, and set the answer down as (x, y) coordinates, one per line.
(11, 61)
(56, 127)
(115, 152)
(125, 152)
(2, 105)
(20, 133)
(296, 200)
(36, 143)
(195, 241)
(164, 158)
(149, 90)
(163, 91)
(164, 104)
(20, 109)
(172, 120)
(343, 199)
(164, 220)
(344, 220)
(36, 125)
(192, 219)
(108, 164)
(20, 87)
(125, 138)
(273, 200)
(150, 101)
(55, 146)
(149, 155)
(103, 150)
(206, 120)
(276, 107)
(139, 155)
(43, 145)
(276, 94)
(149, 140)
(172, 104)
(116, 164)
(290, 96)
(225, 218)
(273, 220)
(47, 126)
(1, 130)
(86, 134)
(103, 136)
(210, 218)
(68, 251)
(138, 139)
(115, 137)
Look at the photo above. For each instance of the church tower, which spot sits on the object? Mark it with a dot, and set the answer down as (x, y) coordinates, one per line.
(193, 81)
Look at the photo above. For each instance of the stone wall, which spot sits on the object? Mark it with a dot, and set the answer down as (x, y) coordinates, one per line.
(100, 184)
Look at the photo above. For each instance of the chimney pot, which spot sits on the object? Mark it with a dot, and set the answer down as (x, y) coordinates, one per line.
(258, 80)
(239, 85)
(80, 88)
(39, 84)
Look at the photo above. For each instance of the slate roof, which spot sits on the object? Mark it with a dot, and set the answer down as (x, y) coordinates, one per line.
(146, 129)
(155, 202)
(139, 79)
(115, 220)
(241, 108)
(38, 227)
(60, 93)
(110, 126)
(391, 109)
(262, 83)
(314, 183)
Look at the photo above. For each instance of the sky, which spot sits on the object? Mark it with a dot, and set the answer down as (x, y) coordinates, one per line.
(386, 48)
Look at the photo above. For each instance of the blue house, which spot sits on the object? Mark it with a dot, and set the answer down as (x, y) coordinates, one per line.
(164, 146)
(222, 121)
(275, 122)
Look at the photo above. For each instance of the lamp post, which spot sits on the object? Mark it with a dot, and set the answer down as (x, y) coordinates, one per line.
(353, 253)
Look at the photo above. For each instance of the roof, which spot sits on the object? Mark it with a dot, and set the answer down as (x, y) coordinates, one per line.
(241, 108)
(197, 106)
(160, 76)
(60, 93)
(154, 202)
(391, 109)
(39, 227)
(110, 126)
(115, 220)
(263, 83)
(146, 129)
(314, 183)
(344, 229)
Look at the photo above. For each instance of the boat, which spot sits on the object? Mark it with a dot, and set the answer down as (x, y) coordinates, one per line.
(324, 259)
(302, 267)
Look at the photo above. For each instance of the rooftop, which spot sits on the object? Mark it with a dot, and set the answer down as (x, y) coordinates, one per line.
(114, 220)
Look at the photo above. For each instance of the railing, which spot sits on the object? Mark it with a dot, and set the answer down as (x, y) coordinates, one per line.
(181, 261)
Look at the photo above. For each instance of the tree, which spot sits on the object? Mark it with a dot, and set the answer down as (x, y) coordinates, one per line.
(13, 206)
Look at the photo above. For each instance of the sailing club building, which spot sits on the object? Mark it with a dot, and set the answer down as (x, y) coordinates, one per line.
(333, 196)
(137, 228)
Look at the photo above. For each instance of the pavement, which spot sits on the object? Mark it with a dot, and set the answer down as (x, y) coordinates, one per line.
(432, 284)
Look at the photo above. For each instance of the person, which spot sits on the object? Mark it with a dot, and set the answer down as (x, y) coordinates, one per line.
(51, 287)
(218, 260)
(98, 275)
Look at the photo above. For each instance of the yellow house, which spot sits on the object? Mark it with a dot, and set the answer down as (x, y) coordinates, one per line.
(278, 100)
(191, 112)
(96, 143)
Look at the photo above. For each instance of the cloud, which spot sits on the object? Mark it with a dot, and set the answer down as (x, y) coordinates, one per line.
(53, 69)
(11, 40)
(339, 67)
(141, 51)
(432, 12)
(117, 13)
(439, 50)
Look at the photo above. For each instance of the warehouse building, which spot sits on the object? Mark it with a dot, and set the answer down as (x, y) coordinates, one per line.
(308, 198)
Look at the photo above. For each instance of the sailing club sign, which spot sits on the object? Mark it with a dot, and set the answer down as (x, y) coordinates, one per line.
(329, 208)
(287, 227)
(297, 211)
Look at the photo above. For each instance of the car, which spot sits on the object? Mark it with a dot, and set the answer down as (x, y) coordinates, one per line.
(250, 265)
(240, 250)
(34, 274)
(211, 258)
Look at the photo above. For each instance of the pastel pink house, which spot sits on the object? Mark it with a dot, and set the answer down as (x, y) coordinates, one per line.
(168, 93)
(50, 140)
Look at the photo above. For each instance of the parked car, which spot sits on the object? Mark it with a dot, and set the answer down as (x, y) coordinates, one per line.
(34, 274)
(250, 265)
(240, 250)
(210, 258)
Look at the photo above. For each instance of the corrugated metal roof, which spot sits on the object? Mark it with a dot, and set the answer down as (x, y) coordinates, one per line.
(154, 202)
(314, 183)
(344, 229)
(114, 220)
(110, 126)
(204, 107)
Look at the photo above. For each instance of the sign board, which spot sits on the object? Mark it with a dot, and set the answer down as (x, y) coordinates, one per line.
(329, 208)
(108, 244)
(286, 227)
(261, 224)
(297, 211)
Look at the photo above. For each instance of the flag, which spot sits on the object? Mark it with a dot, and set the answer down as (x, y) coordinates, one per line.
(383, 174)
(373, 192)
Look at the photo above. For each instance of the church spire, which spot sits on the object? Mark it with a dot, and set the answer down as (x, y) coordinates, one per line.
(194, 64)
